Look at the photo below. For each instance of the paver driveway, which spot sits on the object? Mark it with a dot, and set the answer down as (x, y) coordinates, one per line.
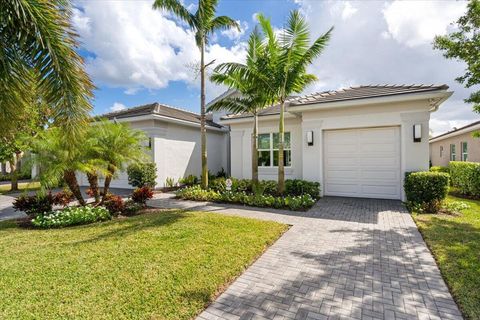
(343, 259)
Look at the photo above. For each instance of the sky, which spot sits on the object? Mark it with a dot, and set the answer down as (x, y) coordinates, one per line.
(136, 55)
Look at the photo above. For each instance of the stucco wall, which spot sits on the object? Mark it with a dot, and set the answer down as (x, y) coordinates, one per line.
(472, 143)
(307, 160)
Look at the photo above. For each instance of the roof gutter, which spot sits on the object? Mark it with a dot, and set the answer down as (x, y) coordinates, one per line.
(455, 133)
(260, 118)
(168, 119)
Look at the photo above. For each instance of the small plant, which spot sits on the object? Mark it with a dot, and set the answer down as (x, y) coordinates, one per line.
(142, 174)
(71, 216)
(426, 191)
(33, 205)
(170, 182)
(454, 206)
(189, 180)
(222, 174)
(63, 198)
(141, 195)
(114, 204)
(131, 208)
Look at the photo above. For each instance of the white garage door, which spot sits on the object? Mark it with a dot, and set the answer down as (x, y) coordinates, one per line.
(362, 163)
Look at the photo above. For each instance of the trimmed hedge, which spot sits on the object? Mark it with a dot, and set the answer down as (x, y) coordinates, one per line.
(425, 191)
(439, 169)
(241, 197)
(466, 177)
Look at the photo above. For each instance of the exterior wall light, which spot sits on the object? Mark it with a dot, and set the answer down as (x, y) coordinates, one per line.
(310, 138)
(417, 133)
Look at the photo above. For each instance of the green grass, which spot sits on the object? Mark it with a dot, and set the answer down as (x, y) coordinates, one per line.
(455, 243)
(22, 186)
(164, 265)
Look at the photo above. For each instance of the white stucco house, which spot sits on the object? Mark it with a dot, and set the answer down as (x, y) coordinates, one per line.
(174, 141)
(357, 142)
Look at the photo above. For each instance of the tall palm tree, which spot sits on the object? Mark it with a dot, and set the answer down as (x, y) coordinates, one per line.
(37, 46)
(291, 56)
(204, 23)
(59, 159)
(116, 146)
(248, 80)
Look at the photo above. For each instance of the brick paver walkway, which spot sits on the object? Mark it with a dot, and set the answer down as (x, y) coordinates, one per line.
(343, 259)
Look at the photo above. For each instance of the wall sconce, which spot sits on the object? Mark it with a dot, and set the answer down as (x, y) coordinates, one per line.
(310, 138)
(417, 133)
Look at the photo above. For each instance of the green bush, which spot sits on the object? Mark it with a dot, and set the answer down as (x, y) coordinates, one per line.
(465, 176)
(258, 200)
(425, 191)
(131, 208)
(189, 180)
(142, 174)
(299, 187)
(439, 169)
(71, 216)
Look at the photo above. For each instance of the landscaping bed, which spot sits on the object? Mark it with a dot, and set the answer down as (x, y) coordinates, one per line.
(162, 265)
(299, 194)
(454, 240)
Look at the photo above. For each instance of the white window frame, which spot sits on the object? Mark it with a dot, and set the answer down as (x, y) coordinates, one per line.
(271, 149)
(464, 154)
(453, 152)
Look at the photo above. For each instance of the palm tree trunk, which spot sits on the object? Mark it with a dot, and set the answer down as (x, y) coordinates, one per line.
(13, 174)
(255, 149)
(203, 131)
(281, 136)
(72, 183)
(93, 182)
(106, 186)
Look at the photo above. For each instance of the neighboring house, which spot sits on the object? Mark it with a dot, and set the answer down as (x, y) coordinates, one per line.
(455, 145)
(174, 140)
(357, 142)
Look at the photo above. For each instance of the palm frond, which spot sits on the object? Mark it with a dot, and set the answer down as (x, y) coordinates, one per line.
(177, 8)
(223, 23)
(234, 105)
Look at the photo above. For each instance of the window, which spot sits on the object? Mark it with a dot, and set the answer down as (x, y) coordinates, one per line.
(453, 154)
(441, 151)
(464, 147)
(268, 144)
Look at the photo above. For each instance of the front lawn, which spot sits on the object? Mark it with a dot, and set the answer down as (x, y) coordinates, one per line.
(455, 243)
(22, 186)
(164, 265)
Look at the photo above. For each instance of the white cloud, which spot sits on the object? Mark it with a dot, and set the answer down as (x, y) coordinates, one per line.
(135, 47)
(348, 10)
(234, 33)
(363, 51)
(416, 23)
(117, 106)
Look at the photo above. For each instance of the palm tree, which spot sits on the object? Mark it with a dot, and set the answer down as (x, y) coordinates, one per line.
(204, 23)
(37, 47)
(291, 56)
(247, 79)
(116, 146)
(59, 159)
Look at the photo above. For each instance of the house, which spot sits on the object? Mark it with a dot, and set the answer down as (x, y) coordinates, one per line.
(357, 142)
(174, 142)
(455, 145)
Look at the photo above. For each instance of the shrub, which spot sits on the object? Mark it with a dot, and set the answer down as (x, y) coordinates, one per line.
(466, 177)
(63, 198)
(169, 182)
(218, 185)
(33, 205)
(299, 187)
(439, 169)
(242, 185)
(142, 174)
(189, 180)
(114, 204)
(131, 208)
(71, 216)
(222, 173)
(141, 195)
(198, 194)
(426, 190)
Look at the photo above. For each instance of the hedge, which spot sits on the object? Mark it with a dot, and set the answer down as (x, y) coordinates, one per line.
(425, 191)
(465, 176)
(439, 169)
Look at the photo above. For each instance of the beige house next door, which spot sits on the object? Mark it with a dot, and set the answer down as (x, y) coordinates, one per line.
(362, 162)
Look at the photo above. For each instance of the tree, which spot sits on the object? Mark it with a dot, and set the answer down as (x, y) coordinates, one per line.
(59, 159)
(116, 145)
(204, 23)
(290, 56)
(37, 46)
(464, 44)
(248, 80)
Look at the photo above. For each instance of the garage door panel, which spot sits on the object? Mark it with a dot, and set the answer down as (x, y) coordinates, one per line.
(362, 162)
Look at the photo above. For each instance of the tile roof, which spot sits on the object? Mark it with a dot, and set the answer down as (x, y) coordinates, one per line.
(456, 129)
(352, 93)
(161, 110)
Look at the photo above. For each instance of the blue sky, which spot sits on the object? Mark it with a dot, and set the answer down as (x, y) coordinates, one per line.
(136, 55)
